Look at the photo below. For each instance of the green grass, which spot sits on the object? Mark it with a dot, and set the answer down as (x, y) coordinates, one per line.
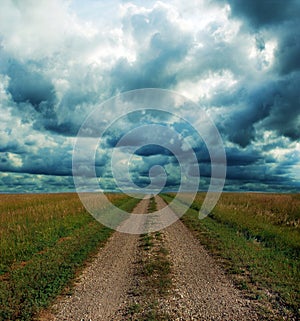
(256, 239)
(153, 278)
(156, 268)
(147, 242)
(45, 240)
(152, 205)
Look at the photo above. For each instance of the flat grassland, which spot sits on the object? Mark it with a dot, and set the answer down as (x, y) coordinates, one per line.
(44, 240)
(256, 238)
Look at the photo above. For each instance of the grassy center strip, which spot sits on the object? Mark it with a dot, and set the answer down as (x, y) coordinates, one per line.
(153, 278)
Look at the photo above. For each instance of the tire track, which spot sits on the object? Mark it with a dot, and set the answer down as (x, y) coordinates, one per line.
(103, 286)
(201, 291)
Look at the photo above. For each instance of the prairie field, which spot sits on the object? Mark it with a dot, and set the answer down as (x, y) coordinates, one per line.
(44, 240)
(256, 238)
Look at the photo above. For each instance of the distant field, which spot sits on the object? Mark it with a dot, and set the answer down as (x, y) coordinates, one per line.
(256, 237)
(44, 239)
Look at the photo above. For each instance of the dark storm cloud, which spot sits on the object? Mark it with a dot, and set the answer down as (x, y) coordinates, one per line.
(142, 178)
(48, 87)
(164, 44)
(36, 99)
(273, 105)
(27, 183)
(46, 163)
(258, 174)
(239, 126)
(33, 94)
(29, 86)
(285, 112)
(288, 52)
(278, 17)
(13, 146)
(237, 156)
(261, 13)
(149, 150)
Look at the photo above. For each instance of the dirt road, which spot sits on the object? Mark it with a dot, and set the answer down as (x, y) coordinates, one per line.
(200, 290)
(102, 288)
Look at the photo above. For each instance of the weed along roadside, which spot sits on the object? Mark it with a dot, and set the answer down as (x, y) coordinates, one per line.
(163, 275)
(255, 238)
(101, 288)
(45, 240)
(177, 280)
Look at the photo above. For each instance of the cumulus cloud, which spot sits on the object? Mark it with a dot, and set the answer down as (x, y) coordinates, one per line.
(238, 60)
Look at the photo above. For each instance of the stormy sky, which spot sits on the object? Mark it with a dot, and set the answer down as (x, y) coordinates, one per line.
(238, 60)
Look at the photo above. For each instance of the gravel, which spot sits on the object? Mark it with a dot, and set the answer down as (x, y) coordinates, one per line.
(200, 290)
(102, 287)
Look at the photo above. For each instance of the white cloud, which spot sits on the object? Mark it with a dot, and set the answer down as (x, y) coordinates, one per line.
(25, 24)
(86, 52)
(14, 159)
(205, 88)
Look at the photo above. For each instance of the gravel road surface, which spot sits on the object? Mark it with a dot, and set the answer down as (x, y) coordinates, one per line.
(201, 290)
(102, 288)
